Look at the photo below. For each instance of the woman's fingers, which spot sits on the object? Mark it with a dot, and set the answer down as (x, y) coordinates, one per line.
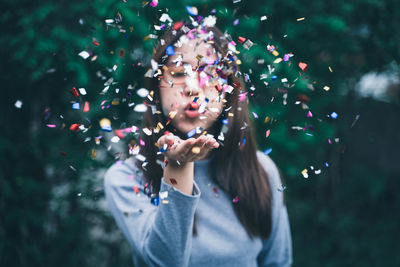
(186, 150)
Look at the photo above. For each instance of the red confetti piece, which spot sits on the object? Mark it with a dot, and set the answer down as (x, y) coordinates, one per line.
(119, 133)
(136, 189)
(86, 107)
(63, 153)
(215, 189)
(75, 127)
(121, 53)
(177, 25)
(303, 66)
(241, 39)
(74, 92)
(96, 43)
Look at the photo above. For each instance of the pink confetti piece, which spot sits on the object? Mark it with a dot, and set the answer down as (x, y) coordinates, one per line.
(267, 133)
(309, 114)
(51, 125)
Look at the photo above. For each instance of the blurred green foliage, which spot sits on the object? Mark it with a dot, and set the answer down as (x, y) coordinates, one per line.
(52, 209)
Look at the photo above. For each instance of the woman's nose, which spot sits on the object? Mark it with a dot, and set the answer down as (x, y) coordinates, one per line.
(192, 86)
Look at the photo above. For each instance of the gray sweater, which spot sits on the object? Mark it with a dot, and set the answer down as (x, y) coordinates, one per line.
(162, 235)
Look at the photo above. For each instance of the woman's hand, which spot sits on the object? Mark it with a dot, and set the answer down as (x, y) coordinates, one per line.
(188, 150)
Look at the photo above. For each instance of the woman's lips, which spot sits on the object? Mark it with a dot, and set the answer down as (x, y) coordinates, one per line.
(191, 110)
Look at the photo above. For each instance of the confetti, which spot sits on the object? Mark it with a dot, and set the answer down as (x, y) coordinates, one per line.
(105, 125)
(75, 127)
(196, 150)
(241, 39)
(82, 91)
(84, 54)
(267, 151)
(309, 114)
(142, 92)
(334, 115)
(192, 10)
(303, 66)
(326, 88)
(18, 104)
(235, 200)
(263, 18)
(140, 108)
(51, 125)
(74, 92)
(170, 50)
(330, 69)
(267, 133)
(355, 120)
(154, 3)
(304, 173)
(76, 106)
(300, 19)
(86, 107)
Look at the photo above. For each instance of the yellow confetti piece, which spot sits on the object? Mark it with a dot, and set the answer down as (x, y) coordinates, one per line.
(196, 150)
(115, 102)
(275, 53)
(278, 60)
(266, 120)
(105, 122)
(230, 114)
(164, 201)
(330, 69)
(300, 19)
(172, 114)
(238, 62)
(326, 88)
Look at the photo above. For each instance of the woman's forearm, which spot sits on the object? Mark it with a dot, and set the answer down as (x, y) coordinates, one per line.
(180, 176)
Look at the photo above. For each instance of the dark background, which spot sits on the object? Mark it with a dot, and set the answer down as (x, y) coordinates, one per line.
(52, 207)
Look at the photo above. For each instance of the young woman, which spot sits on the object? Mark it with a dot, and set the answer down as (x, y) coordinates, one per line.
(199, 193)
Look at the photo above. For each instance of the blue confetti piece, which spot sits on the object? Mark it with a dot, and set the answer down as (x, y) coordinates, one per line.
(243, 141)
(195, 99)
(267, 151)
(334, 115)
(170, 50)
(107, 128)
(326, 164)
(155, 200)
(192, 10)
(76, 106)
(225, 121)
(191, 133)
(274, 77)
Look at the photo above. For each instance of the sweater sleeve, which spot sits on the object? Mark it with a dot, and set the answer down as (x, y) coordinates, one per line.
(158, 235)
(277, 249)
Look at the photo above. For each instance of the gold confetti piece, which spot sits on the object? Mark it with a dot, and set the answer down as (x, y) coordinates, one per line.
(326, 88)
(305, 173)
(230, 114)
(93, 154)
(115, 102)
(330, 69)
(159, 125)
(238, 62)
(164, 201)
(266, 120)
(275, 53)
(196, 150)
(278, 60)
(300, 19)
(172, 114)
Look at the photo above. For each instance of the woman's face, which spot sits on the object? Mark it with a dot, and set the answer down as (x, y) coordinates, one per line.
(190, 88)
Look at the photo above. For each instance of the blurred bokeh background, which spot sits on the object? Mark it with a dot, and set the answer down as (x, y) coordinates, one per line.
(341, 173)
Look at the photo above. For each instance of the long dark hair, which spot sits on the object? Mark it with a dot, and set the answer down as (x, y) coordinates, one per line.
(234, 165)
